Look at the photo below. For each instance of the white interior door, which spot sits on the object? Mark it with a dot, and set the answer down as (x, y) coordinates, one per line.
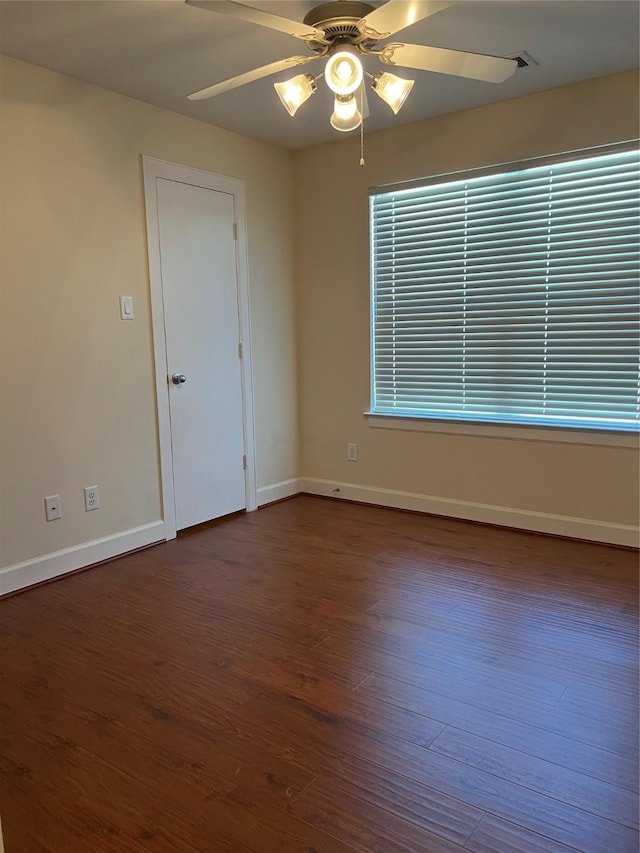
(202, 334)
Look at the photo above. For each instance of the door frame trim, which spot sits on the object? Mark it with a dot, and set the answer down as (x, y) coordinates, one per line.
(152, 170)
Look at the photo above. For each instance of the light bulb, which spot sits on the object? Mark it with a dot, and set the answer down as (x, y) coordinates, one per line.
(393, 90)
(345, 108)
(343, 72)
(345, 116)
(294, 92)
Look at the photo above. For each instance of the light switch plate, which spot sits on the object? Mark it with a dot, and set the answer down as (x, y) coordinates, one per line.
(126, 307)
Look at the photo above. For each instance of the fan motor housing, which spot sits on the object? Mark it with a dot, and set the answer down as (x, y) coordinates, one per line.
(338, 20)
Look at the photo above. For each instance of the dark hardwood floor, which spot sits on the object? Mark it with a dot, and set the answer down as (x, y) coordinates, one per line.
(323, 677)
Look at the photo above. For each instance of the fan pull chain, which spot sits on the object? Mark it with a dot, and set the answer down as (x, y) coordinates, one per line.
(362, 126)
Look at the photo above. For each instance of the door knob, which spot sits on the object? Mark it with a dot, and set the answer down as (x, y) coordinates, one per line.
(178, 378)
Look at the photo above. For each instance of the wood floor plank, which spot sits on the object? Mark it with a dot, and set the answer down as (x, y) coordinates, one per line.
(606, 645)
(135, 757)
(371, 765)
(366, 828)
(224, 703)
(609, 642)
(324, 677)
(616, 769)
(498, 643)
(196, 741)
(410, 796)
(104, 809)
(248, 827)
(613, 705)
(514, 765)
(529, 809)
(435, 647)
(582, 589)
(561, 822)
(457, 678)
(323, 748)
(494, 835)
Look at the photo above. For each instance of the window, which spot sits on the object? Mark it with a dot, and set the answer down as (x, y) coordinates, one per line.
(511, 297)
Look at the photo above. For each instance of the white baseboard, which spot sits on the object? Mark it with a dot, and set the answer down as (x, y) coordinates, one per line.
(278, 491)
(540, 522)
(48, 566)
(58, 563)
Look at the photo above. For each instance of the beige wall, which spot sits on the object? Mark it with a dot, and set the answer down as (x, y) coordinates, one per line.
(585, 482)
(77, 384)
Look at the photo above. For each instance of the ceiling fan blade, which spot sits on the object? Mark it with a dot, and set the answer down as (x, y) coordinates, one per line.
(477, 66)
(250, 76)
(257, 16)
(395, 15)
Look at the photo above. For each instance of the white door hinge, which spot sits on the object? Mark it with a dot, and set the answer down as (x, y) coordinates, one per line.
(235, 231)
(240, 349)
(244, 461)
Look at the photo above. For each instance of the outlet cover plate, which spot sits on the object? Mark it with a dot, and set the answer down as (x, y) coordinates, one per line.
(91, 498)
(52, 508)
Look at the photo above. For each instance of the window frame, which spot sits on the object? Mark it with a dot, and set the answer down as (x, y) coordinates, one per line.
(432, 422)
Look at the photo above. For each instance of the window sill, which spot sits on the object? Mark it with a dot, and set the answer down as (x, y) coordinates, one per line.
(556, 435)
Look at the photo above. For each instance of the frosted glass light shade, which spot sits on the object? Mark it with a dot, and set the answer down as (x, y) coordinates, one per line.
(294, 92)
(393, 90)
(343, 72)
(346, 115)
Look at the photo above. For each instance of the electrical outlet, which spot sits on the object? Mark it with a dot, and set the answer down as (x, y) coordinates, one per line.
(352, 452)
(52, 507)
(91, 498)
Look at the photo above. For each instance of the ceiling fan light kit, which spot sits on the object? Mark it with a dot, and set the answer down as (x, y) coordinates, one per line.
(295, 92)
(343, 71)
(346, 115)
(343, 32)
(393, 90)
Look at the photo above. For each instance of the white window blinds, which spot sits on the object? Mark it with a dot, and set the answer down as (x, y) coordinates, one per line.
(511, 297)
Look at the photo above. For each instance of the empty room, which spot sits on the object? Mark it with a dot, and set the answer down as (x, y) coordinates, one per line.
(319, 410)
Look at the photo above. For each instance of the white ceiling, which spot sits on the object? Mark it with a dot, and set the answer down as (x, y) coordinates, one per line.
(158, 52)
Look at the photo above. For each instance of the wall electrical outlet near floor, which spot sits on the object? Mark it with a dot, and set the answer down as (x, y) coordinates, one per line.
(91, 498)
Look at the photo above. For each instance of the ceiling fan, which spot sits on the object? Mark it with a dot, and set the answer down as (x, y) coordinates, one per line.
(343, 31)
